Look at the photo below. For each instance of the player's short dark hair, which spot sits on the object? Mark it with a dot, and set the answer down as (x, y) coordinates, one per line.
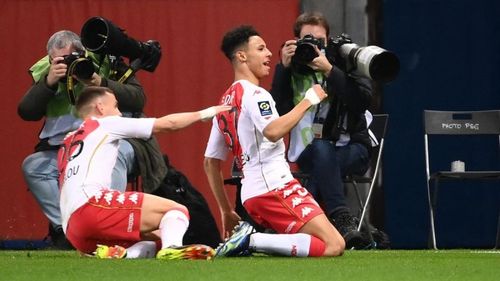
(89, 94)
(235, 38)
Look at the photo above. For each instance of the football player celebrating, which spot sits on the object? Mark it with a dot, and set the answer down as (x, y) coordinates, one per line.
(254, 132)
(111, 223)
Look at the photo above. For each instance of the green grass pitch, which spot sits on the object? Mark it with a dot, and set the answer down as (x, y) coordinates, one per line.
(353, 265)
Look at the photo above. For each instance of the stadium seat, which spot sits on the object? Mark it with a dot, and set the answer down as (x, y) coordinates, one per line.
(453, 124)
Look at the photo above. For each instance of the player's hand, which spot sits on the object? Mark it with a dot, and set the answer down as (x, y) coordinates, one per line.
(57, 71)
(315, 94)
(287, 52)
(319, 91)
(229, 221)
(320, 63)
(208, 113)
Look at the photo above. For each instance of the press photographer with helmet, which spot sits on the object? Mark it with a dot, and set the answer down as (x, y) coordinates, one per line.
(58, 79)
(332, 138)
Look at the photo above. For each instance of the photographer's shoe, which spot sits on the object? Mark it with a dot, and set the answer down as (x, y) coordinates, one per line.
(347, 227)
(58, 238)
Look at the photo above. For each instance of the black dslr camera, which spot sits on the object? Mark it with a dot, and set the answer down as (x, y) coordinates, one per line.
(371, 62)
(305, 51)
(78, 65)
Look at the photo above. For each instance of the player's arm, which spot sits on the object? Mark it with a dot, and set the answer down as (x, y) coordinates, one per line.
(216, 181)
(176, 121)
(279, 127)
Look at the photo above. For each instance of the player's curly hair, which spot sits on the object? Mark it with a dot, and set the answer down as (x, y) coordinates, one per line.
(235, 38)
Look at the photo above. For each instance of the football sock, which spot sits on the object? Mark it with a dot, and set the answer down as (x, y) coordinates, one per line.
(142, 249)
(298, 244)
(317, 247)
(173, 225)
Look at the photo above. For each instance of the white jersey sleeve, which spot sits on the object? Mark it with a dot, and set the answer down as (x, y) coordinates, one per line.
(216, 146)
(123, 127)
(261, 108)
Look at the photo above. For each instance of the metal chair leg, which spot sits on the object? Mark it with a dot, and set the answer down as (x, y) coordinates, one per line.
(358, 196)
(431, 200)
(363, 208)
(497, 243)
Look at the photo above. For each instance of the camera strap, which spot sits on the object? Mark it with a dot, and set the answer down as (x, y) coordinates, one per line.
(70, 87)
(318, 122)
(134, 66)
(126, 75)
(323, 86)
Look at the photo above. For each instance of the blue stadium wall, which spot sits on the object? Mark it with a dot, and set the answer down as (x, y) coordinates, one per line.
(450, 60)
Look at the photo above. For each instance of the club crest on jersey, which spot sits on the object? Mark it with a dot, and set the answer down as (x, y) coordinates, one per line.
(265, 108)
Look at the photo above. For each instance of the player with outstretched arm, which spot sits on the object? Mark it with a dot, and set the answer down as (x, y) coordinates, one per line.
(111, 223)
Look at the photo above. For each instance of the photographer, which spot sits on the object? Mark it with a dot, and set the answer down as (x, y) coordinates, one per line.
(52, 96)
(332, 139)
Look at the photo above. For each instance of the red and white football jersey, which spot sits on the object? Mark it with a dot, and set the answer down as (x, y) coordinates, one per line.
(240, 131)
(87, 157)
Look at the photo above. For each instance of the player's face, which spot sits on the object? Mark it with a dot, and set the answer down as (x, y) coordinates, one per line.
(110, 105)
(258, 57)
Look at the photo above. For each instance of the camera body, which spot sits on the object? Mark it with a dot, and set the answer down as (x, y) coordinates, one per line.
(79, 65)
(306, 51)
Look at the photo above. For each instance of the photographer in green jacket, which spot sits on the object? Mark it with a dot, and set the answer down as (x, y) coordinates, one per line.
(51, 98)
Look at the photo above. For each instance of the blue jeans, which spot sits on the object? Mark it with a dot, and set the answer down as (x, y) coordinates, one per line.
(327, 165)
(41, 174)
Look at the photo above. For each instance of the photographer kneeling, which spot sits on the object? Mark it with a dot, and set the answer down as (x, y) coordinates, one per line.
(332, 139)
(58, 78)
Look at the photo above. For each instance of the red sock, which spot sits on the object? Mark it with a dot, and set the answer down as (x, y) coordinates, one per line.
(317, 247)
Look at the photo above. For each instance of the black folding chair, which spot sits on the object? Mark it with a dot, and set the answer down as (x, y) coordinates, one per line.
(457, 123)
(378, 129)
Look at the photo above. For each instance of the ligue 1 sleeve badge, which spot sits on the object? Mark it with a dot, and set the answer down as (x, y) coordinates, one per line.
(265, 108)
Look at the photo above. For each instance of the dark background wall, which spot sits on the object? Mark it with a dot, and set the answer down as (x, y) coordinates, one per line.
(449, 53)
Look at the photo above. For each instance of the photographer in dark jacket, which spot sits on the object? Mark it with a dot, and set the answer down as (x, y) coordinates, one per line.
(49, 97)
(332, 139)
